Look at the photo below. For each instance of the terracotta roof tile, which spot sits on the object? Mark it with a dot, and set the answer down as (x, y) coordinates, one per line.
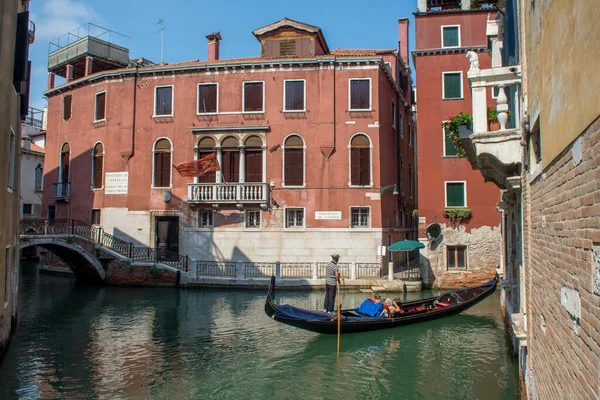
(35, 147)
(361, 52)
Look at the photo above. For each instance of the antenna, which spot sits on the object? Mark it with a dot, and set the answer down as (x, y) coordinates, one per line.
(161, 22)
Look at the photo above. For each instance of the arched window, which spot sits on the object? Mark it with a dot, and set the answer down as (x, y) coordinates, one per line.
(231, 159)
(39, 178)
(254, 159)
(162, 163)
(293, 169)
(360, 161)
(206, 147)
(65, 155)
(97, 166)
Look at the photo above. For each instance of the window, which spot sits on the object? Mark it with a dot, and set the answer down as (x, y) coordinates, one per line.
(360, 94)
(294, 96)
(294, 218)
(97, 166)
(360, 161)
(205, 219)
(253, 97)
(162, 163)
(293, 164)
(7, 269)
(95, 217)
(252, 219)
(450, 149)
(230, 160)
(393, 114)
(410, 181)
(410, 135)
(495, 92)
(401, 126)
(65, 155)
(359, 217)
(27, 209)
(11, 160)
(456, 257)
(208, 98)
(51, 212)
(452, 83)
(254, 159)
(38, 178)
(100, 109)
(163, 101)
(206, 147)
(451, 36)
(67, 103)
(456, 194)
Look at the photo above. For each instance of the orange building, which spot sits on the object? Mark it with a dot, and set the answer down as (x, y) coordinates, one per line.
(309, 142)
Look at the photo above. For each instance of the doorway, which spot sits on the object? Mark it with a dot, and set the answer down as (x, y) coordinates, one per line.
(167, 236)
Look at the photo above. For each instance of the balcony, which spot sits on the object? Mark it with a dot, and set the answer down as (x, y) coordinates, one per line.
(228, 193)
(61, 191)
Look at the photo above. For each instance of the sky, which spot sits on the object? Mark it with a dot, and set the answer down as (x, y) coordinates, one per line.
(345, 23)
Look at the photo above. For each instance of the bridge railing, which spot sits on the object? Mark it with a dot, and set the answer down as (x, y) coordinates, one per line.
(95, 233)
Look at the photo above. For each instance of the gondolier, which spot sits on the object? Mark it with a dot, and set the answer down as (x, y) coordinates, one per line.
(332, 277)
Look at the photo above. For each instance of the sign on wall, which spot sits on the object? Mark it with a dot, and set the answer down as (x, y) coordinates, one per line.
(116, 183)
(328, 215)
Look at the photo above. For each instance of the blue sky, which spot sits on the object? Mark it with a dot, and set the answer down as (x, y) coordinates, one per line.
(345, 23)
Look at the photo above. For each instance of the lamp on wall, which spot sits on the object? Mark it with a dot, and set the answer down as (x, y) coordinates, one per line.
(384, 188)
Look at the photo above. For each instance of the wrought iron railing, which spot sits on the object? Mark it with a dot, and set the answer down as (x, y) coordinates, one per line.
(74, 227)
(259, 269)
(61, 190)
(215, 268)
(408, 272)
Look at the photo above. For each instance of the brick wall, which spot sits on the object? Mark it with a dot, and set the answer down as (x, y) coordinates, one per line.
(562, 227)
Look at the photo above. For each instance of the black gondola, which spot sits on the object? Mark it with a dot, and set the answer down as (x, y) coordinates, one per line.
(415, 311)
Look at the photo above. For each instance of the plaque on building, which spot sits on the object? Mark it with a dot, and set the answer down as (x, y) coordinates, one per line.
(328, 215)
(116, 183)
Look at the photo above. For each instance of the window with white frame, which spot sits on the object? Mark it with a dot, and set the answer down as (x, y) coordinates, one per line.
(456, 194)
(294, 95)
(456, 257)
(452, 85)
(11, 159)
(163, 101)
(451, 36)
(97, 166)
(359, 217)
(208, 98)
(162, 163)
(495, 92)
(252, 219)
(95, 217)
(294, 218)
(360, 161)
(205, 219)
(360, 94)
(293, 161)
(254, 97)
(100, 107)
(38, 178)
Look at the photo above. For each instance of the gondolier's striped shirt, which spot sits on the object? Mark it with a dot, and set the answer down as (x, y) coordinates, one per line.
(330, 273)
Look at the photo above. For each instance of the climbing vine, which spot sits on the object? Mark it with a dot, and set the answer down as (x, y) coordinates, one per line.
(451, 126)
(458, 215)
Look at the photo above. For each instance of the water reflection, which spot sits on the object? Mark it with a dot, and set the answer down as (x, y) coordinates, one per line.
(169, 344)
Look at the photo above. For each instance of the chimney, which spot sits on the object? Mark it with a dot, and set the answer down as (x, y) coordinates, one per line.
(403, 39)
(213, 45)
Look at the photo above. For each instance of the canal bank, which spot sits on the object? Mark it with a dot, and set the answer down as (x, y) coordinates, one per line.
(113, 342)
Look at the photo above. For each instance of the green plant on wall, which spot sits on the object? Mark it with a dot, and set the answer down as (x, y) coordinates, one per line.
(475, 5)
(156, 272)
(415, 213)
(451, 126)
(70, 240)
(457, 215)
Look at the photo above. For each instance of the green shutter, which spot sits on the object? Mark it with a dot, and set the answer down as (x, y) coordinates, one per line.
(496, 91)
(450, 148)
(452, 86)
(450, 37)
(455, 194)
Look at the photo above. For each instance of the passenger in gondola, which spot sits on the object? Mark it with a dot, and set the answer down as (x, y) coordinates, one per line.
(391, 308)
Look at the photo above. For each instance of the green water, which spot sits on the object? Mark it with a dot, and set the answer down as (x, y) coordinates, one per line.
(122, 343)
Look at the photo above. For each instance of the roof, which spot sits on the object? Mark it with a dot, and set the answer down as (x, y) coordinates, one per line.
(362, 52)
(33, 148)
(293, 24)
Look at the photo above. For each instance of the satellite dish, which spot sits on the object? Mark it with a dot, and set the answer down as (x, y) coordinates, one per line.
(433, 232)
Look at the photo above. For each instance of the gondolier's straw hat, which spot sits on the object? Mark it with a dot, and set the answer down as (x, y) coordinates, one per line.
(335, 255)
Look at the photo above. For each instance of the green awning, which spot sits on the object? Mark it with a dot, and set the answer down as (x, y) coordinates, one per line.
(406, 245)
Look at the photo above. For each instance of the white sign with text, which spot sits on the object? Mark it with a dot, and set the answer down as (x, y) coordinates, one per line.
(328, 215)
(116, 183)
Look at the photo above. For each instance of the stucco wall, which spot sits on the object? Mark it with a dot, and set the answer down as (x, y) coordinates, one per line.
(28, 195)
(132, 226)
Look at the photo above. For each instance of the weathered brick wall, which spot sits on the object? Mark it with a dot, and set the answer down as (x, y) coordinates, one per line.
(564, 227)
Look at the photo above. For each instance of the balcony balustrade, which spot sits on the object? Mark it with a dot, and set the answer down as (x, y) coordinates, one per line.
(232, 193)
(61, 191)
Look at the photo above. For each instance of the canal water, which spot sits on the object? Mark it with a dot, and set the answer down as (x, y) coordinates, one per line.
(130, 343)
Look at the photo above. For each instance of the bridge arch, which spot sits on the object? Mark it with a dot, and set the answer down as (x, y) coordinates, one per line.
(85, 266)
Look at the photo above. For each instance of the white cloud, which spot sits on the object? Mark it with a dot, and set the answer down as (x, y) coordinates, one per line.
(59, 17)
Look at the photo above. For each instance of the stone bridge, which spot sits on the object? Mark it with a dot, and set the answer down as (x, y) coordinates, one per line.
(96, 256)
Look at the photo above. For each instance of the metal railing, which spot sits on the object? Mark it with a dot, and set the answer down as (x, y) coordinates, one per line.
(228, 192)
(61, 190)
(215, 268)
(296, 270)
(72, 227)
(368, 270)
(259, 270)
(409, 272)
(344, 269)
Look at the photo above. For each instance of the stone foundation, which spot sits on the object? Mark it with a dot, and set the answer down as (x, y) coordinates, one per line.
(122, 273)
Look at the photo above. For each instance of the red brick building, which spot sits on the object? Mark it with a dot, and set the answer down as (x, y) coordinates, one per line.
(309, 142)
(445, 30)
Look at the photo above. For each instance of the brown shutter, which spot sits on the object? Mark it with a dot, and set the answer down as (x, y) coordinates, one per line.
(253, 96)
(355, 167)
(254, 166)
(294, 166)
(166, 169)
(302, 47)
(157, 169)
(207, 98)
(98, 161)
(67, 100)
(100, 106)
(365, 167)
(271, 48)
(231, 166)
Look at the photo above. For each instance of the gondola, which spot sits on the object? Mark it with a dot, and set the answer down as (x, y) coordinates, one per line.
(415, 311)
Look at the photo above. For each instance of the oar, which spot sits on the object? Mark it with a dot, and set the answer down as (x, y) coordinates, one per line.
(338, 317)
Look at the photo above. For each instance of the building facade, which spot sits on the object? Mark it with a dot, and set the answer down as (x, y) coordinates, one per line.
(545, 161)
(32, 165)
(464, 250)
(307, 139)
(16, 35)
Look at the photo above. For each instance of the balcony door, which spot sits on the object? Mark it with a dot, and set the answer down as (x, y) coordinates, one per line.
(254, 159)
(65, 155)
(231, 160)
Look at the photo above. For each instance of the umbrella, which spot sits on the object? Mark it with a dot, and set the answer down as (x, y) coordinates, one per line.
(406, 245)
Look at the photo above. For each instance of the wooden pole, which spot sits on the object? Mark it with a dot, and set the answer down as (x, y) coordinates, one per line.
(339, 309)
